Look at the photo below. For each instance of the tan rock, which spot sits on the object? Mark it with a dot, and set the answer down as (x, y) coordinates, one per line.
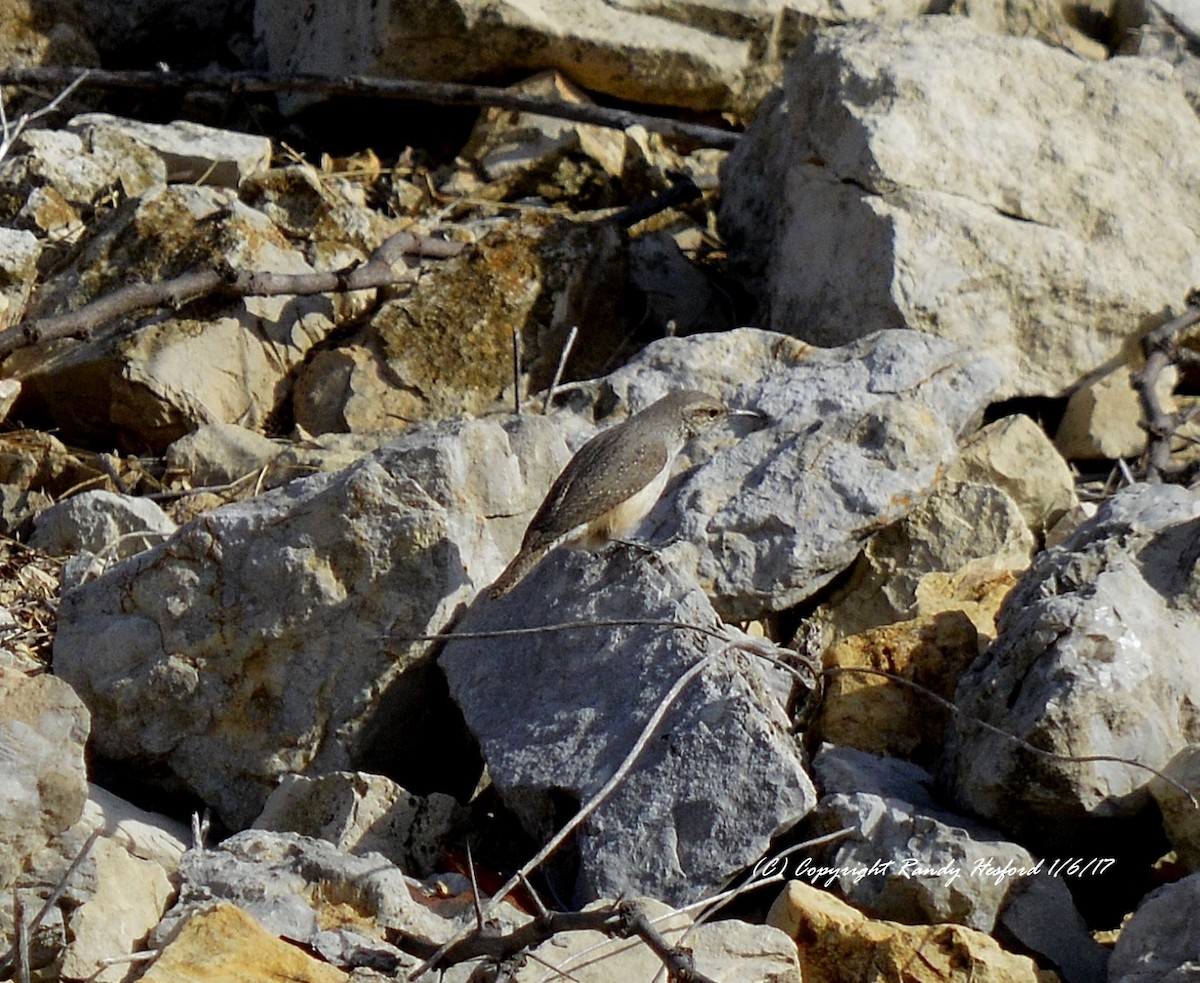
(876, 714)
(966, 534)
(149, 387)
(1015, 454)
(976, 590)
(1103, 417)
(19, 252)
(191, 152)
(43, 781)
(128, 898)
(839, 944)
(225, 945)
(362, 813)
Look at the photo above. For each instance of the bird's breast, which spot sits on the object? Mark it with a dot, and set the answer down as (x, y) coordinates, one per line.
(621, 520)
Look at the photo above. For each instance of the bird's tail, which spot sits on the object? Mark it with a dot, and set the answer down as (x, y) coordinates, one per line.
(515, 572)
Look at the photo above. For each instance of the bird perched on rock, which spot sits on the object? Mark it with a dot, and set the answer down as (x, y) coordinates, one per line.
(613, 480)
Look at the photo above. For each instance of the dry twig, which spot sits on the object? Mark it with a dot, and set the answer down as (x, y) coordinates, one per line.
(1160, 348)
(437, 93)
(10, 131)
(378, 271)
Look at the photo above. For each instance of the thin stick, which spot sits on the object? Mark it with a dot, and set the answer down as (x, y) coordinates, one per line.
(993, 729)
(575, 821)
(22, 940)
(516, 366)
(9, 136)
(438, 93)
(7, 960)
(562, 364)
(831, 671)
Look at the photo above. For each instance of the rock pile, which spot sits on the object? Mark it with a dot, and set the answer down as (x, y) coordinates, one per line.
(883, 653)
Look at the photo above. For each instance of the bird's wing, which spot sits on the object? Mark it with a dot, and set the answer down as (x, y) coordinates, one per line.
(606, 471)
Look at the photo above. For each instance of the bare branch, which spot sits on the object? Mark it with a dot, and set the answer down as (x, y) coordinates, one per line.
(378, 271)
(438, 93)
(562, 364)
(1161, 349)
(8, 135)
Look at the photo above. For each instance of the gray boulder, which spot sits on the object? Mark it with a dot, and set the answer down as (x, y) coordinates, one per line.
(556, 711)
(1094, 656)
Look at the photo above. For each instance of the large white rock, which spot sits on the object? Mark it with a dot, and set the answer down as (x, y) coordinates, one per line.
(991, 190)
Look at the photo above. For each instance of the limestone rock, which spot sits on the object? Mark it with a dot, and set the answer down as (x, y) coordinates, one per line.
(1015, 455)
(19, 252)
(43, 728)
(362, 813)
(854, 439)
(221, 453)
(1103, 416)
(76, 171)
(150, 387)
(723, 775)
(1091, 659)
(256, 642)
(225, 945)
(38, 461)
(146, 835)
(191, 152)
(101, 522)
(838, 943)
(702, 55)
(122, 899)
(991, 190)
(308, 891)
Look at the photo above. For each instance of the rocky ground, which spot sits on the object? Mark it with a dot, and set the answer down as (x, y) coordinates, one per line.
(899, 680)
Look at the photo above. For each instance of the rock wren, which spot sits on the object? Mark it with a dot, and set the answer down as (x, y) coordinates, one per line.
(613, 480)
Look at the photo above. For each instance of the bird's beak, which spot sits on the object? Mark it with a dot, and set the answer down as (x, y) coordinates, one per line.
(761, 418)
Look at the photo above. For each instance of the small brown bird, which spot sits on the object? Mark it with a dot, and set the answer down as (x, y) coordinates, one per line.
(613, 480)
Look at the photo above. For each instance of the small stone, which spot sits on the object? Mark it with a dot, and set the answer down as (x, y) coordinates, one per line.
(836, 942)
(1103, 417)
(225, 945)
